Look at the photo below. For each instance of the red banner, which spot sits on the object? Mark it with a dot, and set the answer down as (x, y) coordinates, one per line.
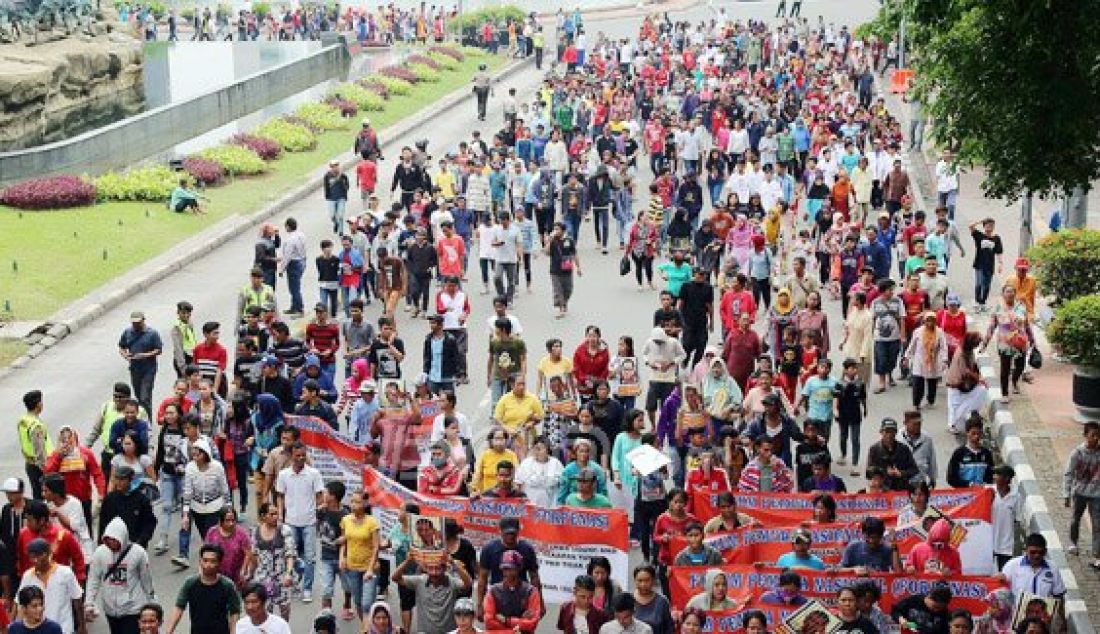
(784, 509)
(750, 582)
(565, 538)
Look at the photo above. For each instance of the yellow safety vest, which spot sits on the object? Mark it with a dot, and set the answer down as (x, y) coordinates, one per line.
(27, 425)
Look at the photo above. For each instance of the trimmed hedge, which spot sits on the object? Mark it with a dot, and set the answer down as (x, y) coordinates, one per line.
(267, 149)
(49, 192)
(152, 183)
(236, 160)
(291, 137)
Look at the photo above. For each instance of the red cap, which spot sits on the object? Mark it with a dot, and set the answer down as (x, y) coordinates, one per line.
(1023, 263)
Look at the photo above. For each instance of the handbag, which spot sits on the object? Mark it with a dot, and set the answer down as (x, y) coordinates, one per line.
(1035, 358)
(150, 491)
(624, 266)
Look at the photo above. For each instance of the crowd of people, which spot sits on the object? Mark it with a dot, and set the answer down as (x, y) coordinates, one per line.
(754, 174)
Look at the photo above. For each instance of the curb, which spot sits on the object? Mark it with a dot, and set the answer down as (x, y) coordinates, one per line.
(1037, 516)
(72, 318)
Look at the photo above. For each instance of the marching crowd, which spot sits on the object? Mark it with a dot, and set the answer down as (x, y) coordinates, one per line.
(751, 172)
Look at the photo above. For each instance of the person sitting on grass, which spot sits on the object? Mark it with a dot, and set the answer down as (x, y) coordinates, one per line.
(183, 199)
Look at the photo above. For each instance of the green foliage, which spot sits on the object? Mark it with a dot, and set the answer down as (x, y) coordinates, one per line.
(1066, 263)
(261, 9)
(1014, 85)
(321, 115)
(884, 25)
(147, 183)
(446, 61)
(366, 100)
(423, 73)
(394, 86)
(237, 160)
(1075, 331)
(497, 15)
(224, 10)
(292, 138)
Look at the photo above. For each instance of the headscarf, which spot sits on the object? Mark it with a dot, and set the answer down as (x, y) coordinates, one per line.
(1000, 610)
(269, 412)
(714, 385)
(705, 599)
(360, 371)
(379, 605)
(783, 292)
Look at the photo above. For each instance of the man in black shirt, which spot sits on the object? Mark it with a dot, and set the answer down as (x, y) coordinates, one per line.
(273, 383)
(925, 613)
(421, 258)
(213, 599)
(667, 316)
(387, 351)
(988, 253)
(696, 307)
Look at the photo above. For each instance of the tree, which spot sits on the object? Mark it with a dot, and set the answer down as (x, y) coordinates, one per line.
(1013, 85)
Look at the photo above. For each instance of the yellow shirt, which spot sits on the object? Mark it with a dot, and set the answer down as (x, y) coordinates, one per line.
(485, 471)
(513, 412)
(1025, 292)
(446, 182)
(551, 368)
(362, 541)
(771, 229)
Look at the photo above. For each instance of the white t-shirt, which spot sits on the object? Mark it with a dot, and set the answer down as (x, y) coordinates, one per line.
(464, 429)
(505, 243)
(61, 590)
(273, 625)
(517, 328)
(73, 510)
(299, 491)
(1007, 511)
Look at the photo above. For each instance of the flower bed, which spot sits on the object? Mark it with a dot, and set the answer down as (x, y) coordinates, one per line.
(236, 160)
(321, 116)
(346, 107)
(291, 137)
(152, 183)
(424, 73)
(398, 72)
(424, 60)
(448, 51)
(203, 170)
(366, 100)
(50, 192)
(267, 149)
(375, 85)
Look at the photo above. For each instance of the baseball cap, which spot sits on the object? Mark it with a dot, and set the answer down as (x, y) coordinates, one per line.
(771, 399)
(509, 525)
(801, 535)
(123, 471)
(366, 122)
(137, 316)
(465, 605)
(367, 386)
(953, 300)
(511, 559)
(13, 485)
(1023, 263)
(270, 361)
(38, 546)
(888, 424)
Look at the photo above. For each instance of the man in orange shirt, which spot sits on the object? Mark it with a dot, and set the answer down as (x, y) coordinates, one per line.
(1024, 283)
(366, 176)
(451, 251)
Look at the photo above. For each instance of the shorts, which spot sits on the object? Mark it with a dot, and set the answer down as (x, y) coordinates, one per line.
(407, 597)
(656, 394)
(886, 356)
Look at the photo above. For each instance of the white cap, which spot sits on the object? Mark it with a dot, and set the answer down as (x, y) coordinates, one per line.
(13, 485)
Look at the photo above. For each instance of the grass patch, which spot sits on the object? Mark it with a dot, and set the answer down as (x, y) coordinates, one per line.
(53, 258)
(10, 350)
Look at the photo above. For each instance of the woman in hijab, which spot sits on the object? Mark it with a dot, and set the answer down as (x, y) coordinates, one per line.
(713, 597)
(721, 396)
(998, 616)
(739, 242)
(360, 371)
(780, 316)
(266, 421)
(380, 620)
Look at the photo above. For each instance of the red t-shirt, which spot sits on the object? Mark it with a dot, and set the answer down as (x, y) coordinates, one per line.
(668, 526)
(367, 172)
(210, 358)
(915, 304)
(450, 252)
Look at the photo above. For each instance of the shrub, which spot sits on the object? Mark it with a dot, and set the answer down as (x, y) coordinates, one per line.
(294, 119)
(1075, 331)
(424, 60)
(1066, 263)
(291, 137)
(425, 74)
(445, 62)
(236, 160)
(267, 149)
(376, 86)
(496, 15)
(346, 107)
(366, 100)
(261, 9)
(398, 72)
(49, 192)
(393, 85)
(322, 115)
(447, 51)
(203, 170)
(148, 182)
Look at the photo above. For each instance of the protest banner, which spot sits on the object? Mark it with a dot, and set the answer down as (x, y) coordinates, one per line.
(336, 457)
(784, 509)
(564, 538)
(752, 544)
(747, 583)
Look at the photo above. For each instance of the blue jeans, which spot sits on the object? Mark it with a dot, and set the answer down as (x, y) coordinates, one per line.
(572, 226)
(327, 569)
(499, 387)
(305, 537)
(294, 271)
(363, 591)
(346, 292)
(330, 297)
(982, 282)
(336, 213)
(171, 487)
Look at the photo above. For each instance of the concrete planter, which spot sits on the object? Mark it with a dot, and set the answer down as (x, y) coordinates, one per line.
(1086, 392)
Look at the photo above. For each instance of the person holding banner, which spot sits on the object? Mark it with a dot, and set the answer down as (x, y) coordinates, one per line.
(729, 518)
(872, 553)
(766, 473)
(586, 496)
(484, 476)
(582, 459)
(540, 475)
(671, 523)
(713, 597)
(936, 555)
(441, 476)
(580, 610)
(800, 555)
(851, 620)
(696, 553)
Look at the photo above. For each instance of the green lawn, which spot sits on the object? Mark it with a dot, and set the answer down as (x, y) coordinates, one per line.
(10, 350)
(52, 258)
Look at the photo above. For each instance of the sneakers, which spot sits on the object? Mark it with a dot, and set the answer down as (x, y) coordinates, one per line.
(181, 561)
(307, 596)
(160, 547)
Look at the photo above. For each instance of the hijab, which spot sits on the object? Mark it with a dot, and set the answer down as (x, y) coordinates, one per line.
(379, 605)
